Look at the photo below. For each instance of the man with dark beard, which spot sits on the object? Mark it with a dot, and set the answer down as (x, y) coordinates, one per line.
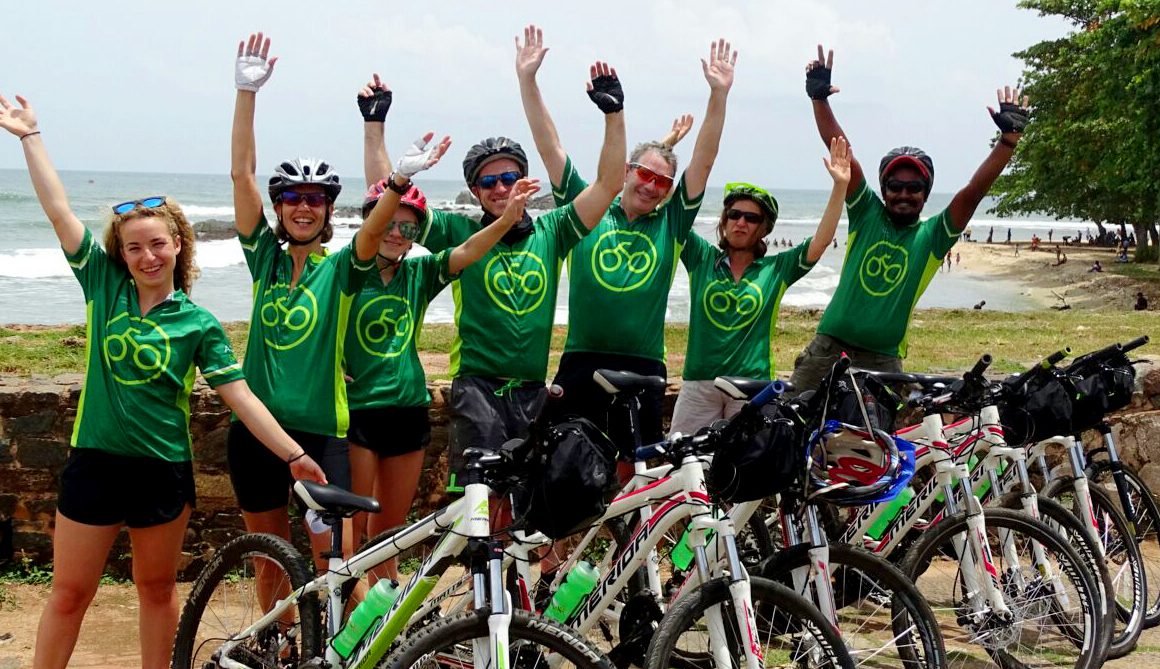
(892, 253)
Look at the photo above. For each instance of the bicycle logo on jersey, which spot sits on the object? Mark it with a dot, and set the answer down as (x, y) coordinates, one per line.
(517, 282)
(623, 260)
(286, 326)
(384, 326)
(732, 306)
(883, 268)
(136, 350)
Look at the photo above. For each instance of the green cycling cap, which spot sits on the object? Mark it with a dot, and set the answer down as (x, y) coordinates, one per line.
(763, 198)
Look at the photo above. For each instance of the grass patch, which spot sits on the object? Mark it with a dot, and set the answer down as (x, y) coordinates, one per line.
(941, 340)
(1134, 270)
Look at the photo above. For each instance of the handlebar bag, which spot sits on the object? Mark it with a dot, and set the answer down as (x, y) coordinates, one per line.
(758, 456)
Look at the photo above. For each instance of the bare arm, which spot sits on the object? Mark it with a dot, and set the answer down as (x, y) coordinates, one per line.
(681, 127)
(819, 89)
(1011, 120)
(49, 189)
(604, 89)
(417, 158)
(719, 73)
(529, 57)
(838, 165)
(482, 241)
(253, 69)
(257, 418)
(374, 100)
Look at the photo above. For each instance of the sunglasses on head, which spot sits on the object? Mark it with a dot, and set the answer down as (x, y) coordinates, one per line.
(148, 203)
(506, 178)
(293, 199)
(749, 216)
(662, 181)
(913, 187)
(409, 230)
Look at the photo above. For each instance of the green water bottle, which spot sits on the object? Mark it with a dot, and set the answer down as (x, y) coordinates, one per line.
(576, 586)
(378, 601)
(893, 508)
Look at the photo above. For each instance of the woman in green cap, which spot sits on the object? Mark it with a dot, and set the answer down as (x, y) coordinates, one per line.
(735, 290)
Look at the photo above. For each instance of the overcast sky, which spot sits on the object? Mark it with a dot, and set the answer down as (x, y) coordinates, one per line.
(148, 86)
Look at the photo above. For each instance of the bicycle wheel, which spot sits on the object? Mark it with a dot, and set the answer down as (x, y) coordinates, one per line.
(1117, 563)
(533, 640)
(791, 632)
(882, 617)
(1147, 528)
(1053, 603)
(225, 601)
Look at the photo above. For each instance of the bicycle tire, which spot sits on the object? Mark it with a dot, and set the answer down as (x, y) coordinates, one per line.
(784, 619)
(1075, 631)
(210, 610)
(852, 570)
(446, 643)
(1128, 589)
(1147, 528)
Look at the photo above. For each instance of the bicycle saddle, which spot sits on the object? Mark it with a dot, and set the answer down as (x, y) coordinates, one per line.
(333, 499)
(614, 382)
(924, 380)
(742, 388)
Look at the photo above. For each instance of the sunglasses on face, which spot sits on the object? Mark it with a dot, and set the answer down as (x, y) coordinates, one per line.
(293, 199)
(506, 178)
(912, 187)
(661, 181)
(749, 216)
(148, 203)
(409, 230)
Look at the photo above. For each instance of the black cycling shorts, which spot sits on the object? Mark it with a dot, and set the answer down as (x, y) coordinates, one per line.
(262, 480)
(485, 413)
(584, 397)
(102, 488)
(390, 431)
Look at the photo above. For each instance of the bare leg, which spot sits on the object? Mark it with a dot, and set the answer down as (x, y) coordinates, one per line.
(395, 485)
(271, 584)
(155, 553)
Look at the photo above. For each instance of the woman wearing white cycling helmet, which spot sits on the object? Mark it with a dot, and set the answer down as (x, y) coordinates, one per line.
(302, 303)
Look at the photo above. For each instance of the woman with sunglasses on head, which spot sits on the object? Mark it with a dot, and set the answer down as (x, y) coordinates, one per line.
(735, 290)
(303, 297)
(389, 426)
(130, 464)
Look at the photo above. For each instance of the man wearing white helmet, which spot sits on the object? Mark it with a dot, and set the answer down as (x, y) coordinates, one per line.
(891, 253)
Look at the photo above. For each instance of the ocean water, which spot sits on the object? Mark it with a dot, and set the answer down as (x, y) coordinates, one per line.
(36, 285)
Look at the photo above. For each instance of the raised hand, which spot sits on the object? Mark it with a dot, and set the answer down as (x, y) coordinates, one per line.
(253, 67)
(420, 157)
(19, 122)
(719, 68)
(838, 164)
(604, 88)
(374, 100)
(1013, 113)
(530, 55)
(681, 127)
(818, 76)
(518, 200)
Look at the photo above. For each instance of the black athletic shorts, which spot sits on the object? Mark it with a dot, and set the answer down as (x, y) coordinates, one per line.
(262, 480)
(584, 397)
(390, 431)
(481, 418)
(102, 488)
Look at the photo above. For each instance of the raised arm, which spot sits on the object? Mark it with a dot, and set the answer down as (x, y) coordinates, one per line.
(529, 57)
(605, 91)
(49, 190)
(838, 165)
(681, 127)
(374, 100)
(1011, 118)
(818, 73)
(256, 417)
(482, 241)
(253, 68)
(419, 156)
(719, 73)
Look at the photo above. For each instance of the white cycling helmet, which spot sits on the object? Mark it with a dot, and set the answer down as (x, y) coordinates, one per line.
(304, 171)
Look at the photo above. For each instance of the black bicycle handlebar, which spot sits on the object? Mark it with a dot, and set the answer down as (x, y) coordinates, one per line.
(1047, 363)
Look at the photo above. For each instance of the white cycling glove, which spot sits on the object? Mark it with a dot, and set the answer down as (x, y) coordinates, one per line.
(250, 72)
(417, 158)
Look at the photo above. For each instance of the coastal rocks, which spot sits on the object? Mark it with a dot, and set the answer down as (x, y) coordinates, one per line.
(214, 229)
(541, 202)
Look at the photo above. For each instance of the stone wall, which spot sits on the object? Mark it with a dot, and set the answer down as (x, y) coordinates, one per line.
(37, 414)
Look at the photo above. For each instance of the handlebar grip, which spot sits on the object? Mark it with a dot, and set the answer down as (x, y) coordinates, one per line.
(768, 394)
(1054, 358)
(1135, 343)
(980, 366)
(651, 451)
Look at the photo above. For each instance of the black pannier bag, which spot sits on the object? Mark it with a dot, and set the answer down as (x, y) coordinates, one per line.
(758, 457)
(571, 479)
(1105, 389)
(844, 405)
(1040, 410)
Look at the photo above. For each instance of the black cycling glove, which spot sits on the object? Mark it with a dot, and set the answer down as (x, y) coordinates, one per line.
(818, 82)
(1011, 117)
(607, 94)
(374, 107)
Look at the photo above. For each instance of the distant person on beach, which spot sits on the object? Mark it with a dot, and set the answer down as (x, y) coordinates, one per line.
(626, 266)
(387, 392)
(1060, 259)
(735, 291)
(958, 258)
(1050, 232)
(503, 338)
(1141, 302)
(1096, 267)
(895, 252)
(1008, 235)
(131, 462)
(1016, 250)
(947, 262)
(991, 235)
(301, 307)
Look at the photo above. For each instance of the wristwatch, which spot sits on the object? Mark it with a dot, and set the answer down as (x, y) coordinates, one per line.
(401, 190)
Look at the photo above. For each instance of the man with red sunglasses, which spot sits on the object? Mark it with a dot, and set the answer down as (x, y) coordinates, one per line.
(892, 253)
(619, 276)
